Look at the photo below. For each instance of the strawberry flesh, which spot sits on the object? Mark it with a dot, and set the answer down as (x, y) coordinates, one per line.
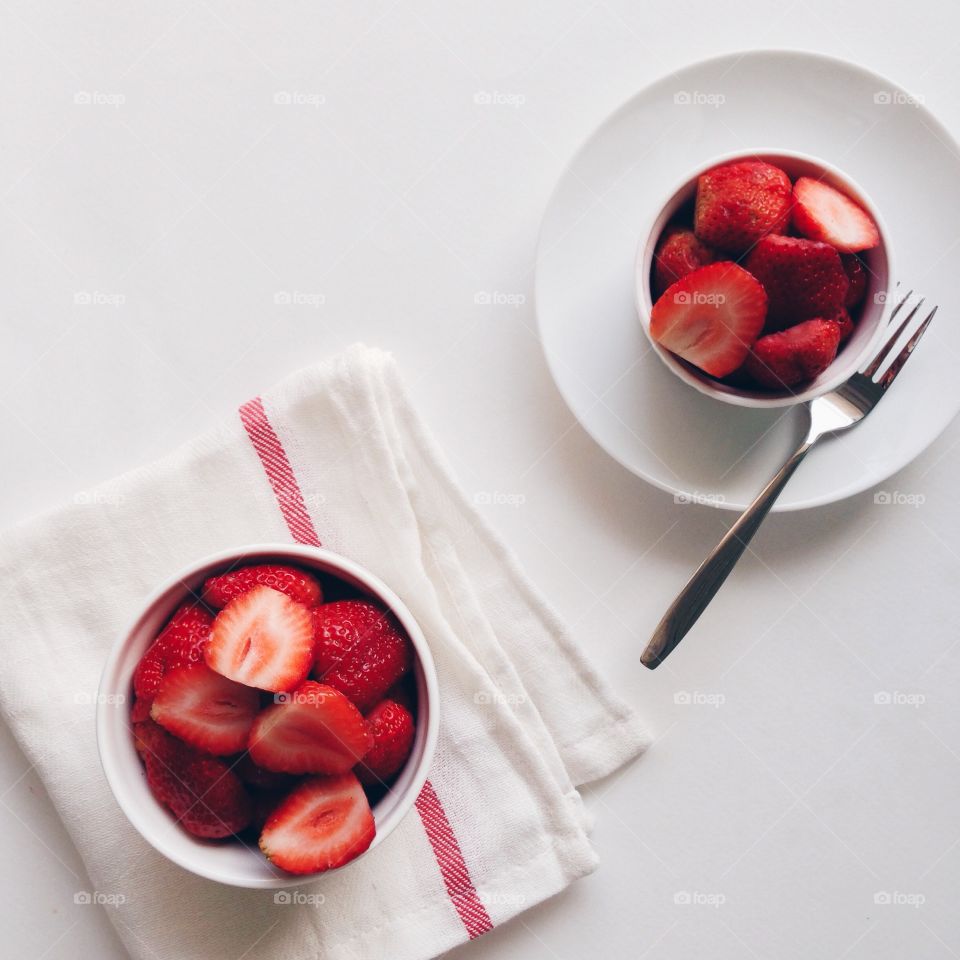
(821, 212)
(738, 203)
(711, 317)
(262, 639)
(795, 355)
(296, 584)
(803, 279)
(361, 650)
(313, 729)
(324, 823)
(206, 710)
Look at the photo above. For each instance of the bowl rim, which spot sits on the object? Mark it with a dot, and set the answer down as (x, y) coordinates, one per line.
(115, 680)
(643, 300)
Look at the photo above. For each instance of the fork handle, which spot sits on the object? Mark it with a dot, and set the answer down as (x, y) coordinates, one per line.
(710, 575)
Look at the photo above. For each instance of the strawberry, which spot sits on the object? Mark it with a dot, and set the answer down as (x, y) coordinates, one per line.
(180, 642)
(313, 729)
(150, 738)
(794, 355)
(821, 212)
(204, 795)
(844, 323)
(392, 728)
(678, 253)
(325, 823)
(803, 279)
(296, 584)
(140, 710)
(738, 203)
(361, 649)
(856, 279)
(205, 709)
(710, 318)
(262, 639)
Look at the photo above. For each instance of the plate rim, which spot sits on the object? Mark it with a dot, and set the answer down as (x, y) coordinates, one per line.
(834, 496)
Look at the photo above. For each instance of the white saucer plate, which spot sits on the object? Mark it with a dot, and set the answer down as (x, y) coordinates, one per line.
(659, 428)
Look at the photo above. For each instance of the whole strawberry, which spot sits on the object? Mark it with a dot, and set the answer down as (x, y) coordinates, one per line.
(738, 203)
(181, 642)
(295, 583)
(795, 355)
(679, 252)
(205, 796)
(392, 727)
(856, 278)
(361, 650)
(803, 279)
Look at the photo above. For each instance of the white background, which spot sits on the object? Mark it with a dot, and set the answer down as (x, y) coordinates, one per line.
(782, 789)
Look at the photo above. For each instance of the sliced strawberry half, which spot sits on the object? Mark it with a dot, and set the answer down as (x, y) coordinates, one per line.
(262, 639)
(296, 584)
(313, 729)
(325, 823)
(205, 709)
(821, 212)
(711, 317)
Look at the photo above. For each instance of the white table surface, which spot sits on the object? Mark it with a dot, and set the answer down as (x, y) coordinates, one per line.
(182, 199)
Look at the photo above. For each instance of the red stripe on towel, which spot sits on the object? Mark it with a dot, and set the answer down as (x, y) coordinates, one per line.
(453, 868)
(279, 472)
(443, 841)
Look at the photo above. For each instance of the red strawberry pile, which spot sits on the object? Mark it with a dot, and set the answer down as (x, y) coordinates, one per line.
(763, 286)
(262, 710)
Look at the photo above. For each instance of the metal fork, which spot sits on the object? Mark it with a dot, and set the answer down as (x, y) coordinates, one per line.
(830, 414)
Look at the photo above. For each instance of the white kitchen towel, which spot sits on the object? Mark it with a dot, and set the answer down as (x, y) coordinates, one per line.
(336, 454)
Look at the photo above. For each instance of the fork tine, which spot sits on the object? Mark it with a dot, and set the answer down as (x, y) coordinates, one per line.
(904, 354)
(892, 339)
(899, 306)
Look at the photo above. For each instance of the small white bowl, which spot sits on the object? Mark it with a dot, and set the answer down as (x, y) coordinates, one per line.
(232, 862)
(874, 310)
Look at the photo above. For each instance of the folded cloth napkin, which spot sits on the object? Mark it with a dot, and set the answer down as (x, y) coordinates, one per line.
(333, 453)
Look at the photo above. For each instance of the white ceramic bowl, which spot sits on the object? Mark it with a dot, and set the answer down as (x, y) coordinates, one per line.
(232, 862)
(874, 310)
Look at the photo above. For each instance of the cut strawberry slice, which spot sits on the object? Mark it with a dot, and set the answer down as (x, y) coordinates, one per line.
(296, 584)
(205, 709)
(822, 213)
(314, 729)
(262, 639)
(325, 823)
(711, 317)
